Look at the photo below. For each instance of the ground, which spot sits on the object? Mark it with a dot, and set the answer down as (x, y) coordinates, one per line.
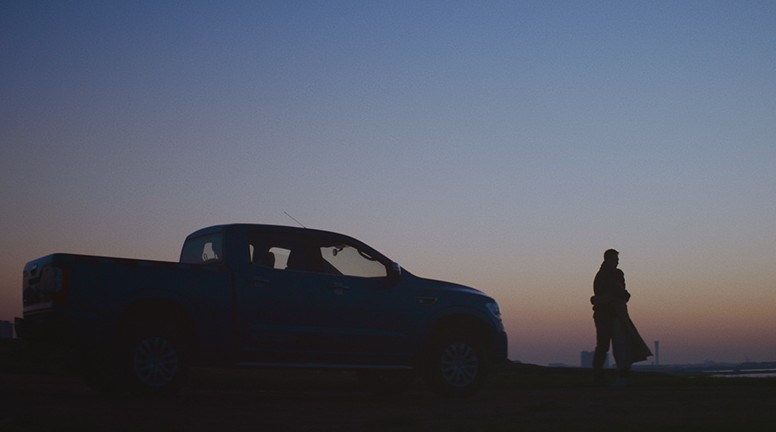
(519, 397)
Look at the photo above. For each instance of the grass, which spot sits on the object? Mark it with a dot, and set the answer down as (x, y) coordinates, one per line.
(518, 397)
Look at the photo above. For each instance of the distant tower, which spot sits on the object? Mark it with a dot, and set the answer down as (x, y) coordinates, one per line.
(586, 359)
(657, 353)
(6, 330)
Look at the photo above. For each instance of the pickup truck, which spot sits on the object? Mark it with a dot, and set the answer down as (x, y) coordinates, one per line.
(258, 295)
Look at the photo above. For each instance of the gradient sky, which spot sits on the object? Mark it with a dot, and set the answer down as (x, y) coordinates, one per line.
(503, 145)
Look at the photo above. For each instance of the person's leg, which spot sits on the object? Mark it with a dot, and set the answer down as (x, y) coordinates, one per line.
(603, 332)
(624, 373)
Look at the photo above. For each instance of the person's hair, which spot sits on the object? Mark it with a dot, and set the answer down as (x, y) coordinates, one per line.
(610, 253)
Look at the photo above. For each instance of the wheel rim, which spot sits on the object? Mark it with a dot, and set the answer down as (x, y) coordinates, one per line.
(460, 364)
(155, 361)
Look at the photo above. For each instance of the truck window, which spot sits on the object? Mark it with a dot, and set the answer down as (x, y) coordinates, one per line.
(281, 257)
(349, 261)
(200, 250)
(269, 256)
(313, 254)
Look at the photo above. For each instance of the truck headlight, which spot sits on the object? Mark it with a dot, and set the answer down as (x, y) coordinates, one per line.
(494, 309)
(496, 312)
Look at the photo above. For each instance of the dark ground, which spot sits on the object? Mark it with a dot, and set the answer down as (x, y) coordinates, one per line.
(519, 397)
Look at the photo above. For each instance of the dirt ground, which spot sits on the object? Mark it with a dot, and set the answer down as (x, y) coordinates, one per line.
(527, 398)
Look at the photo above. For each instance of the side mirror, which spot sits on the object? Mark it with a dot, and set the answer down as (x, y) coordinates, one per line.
(394, 273)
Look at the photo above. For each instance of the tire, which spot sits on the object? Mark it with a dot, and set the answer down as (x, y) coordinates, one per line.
(456, 365)
(154, 359)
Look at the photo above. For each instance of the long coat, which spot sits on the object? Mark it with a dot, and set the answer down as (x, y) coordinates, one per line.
(627, 345)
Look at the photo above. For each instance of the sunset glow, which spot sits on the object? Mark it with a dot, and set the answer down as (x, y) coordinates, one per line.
(499, 145)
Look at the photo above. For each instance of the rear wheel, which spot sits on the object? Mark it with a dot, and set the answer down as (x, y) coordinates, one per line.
(456, 365)
(155, 362)
(154, 359)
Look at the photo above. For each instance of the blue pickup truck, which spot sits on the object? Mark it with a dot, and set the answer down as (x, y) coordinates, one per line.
(258, 295)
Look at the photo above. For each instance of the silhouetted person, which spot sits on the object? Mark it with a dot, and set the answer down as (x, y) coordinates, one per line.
(612, 323)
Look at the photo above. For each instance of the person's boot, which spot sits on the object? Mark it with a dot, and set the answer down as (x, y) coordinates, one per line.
(623, 379)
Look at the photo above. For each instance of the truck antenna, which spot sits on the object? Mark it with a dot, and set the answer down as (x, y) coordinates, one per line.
(300, 224)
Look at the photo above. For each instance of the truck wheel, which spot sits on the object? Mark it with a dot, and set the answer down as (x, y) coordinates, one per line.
(155, 360)
(456, 365)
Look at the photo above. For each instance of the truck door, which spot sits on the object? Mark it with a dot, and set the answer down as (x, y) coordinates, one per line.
(281, 307)
(309, 299)
(370, 317)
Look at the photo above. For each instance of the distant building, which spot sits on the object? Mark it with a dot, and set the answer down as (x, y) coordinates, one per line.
(6, 330)
(586, 359)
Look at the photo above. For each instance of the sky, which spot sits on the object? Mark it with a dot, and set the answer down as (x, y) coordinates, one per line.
(502, 145)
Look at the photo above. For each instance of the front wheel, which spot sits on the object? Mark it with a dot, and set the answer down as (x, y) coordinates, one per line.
(456, 365)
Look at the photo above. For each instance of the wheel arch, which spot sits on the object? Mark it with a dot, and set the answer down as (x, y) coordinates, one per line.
(158, 310)
(461, 323)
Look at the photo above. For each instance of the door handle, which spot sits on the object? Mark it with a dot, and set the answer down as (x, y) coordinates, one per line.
(339, 288)
(259, 282)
